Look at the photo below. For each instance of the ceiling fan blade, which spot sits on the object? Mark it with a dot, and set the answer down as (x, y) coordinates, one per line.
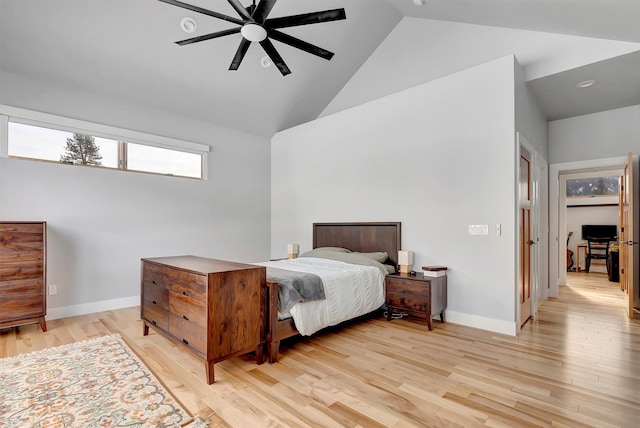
(204, 11)
(263, 10)
(209, 36)
(306, 18)
(242, 50)
(240, 9)
(275, 56)
(300, 44)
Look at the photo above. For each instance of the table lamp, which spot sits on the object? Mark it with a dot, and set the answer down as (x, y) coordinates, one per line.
(405, 260)
(292, 250)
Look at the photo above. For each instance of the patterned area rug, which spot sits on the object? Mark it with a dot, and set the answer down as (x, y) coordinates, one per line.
(95, 383)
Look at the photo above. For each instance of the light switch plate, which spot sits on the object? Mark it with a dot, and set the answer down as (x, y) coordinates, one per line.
(478, 229)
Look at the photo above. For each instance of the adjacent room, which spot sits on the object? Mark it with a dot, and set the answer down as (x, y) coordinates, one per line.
(166, 165)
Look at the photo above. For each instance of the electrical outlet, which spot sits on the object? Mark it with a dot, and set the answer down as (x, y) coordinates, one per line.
(53, 289)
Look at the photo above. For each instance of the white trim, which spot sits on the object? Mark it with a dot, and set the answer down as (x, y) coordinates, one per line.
(93, 307)
(557, 213)
(29, 117)
(543, 228)
(4, 136)
(533, 206)
(475, 321)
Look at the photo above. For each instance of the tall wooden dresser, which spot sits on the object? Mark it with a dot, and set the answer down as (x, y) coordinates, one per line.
(23, 273)
(214, 308)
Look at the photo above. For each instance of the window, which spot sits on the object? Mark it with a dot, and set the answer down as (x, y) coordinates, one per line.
(593, 186)
(163, 161)
(35, 142)
(54, 139)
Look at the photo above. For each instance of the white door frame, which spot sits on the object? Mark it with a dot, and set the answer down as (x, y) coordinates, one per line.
(558, 213)
(539, 231)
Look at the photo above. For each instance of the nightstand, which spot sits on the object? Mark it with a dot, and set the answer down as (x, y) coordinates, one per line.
(417, 295)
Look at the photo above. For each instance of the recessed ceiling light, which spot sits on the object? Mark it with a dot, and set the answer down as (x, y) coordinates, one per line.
(266, 62)
(586, 83)
(188, 25)
(419, 2)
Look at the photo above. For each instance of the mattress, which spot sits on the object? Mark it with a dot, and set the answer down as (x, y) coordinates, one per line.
(351, 290)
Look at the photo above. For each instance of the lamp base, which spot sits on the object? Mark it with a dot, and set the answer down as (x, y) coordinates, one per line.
(405, 268)
(293, 256)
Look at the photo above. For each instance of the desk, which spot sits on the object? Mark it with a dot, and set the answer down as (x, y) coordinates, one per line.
(583, 246)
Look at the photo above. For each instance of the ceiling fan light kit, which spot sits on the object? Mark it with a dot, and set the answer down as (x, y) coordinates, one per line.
(253, 32)
(255, 27)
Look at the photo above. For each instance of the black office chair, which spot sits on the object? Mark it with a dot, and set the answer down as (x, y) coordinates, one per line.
(597, 249)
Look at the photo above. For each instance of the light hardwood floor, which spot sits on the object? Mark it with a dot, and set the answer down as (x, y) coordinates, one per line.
(577, 364)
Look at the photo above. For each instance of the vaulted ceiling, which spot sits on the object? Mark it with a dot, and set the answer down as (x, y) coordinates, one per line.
(125, 49)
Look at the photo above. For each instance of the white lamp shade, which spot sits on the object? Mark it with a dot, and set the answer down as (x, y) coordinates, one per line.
(292, 248)
(405, 257)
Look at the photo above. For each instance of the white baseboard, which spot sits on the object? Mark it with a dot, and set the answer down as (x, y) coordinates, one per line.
(93, 307)
(475, 321)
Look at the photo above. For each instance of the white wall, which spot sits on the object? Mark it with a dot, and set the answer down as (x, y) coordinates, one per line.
(437, 157)
(529, 120)
(101, 222)
(601, 135)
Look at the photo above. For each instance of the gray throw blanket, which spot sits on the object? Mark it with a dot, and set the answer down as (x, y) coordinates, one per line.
(295, 287)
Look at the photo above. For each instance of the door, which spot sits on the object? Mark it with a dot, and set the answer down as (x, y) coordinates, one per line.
(525, 237)
(627, 247)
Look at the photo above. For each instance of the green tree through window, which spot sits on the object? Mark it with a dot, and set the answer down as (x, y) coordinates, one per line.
(82, 150)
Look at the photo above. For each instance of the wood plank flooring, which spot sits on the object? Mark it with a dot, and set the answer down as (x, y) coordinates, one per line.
(576, 365)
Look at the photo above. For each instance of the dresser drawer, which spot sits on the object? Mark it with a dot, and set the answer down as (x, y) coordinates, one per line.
(21, 241)
(409, 294)
(189, 285)
(409, 302)
(181, 282)
(191, 334)
(26, 288)
(188, 309)
(155, 314)
(156, 294)
(21, 307)
(154, 274)
(17, 270)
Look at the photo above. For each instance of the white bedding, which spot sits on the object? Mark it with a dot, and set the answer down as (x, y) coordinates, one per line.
(351, 290)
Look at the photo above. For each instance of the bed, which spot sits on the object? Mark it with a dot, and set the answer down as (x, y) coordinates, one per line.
(367, 237)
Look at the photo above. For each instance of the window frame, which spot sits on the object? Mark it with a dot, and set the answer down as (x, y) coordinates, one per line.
(60, 123)
(573, 201)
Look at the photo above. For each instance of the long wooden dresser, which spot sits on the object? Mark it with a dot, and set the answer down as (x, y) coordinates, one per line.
(213, 308)
(23, 273)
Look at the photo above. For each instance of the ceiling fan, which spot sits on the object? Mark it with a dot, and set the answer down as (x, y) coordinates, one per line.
(256, 27)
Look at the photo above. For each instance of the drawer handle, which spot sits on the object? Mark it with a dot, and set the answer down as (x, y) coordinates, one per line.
(153, 322)
(154, 302)
(185, 341)
(154, 282)
(185, 317)
(184, 293)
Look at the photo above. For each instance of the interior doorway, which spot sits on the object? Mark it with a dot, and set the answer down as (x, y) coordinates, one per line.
(558, 213)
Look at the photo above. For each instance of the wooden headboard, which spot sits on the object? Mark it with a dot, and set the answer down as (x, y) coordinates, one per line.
(362, 237)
